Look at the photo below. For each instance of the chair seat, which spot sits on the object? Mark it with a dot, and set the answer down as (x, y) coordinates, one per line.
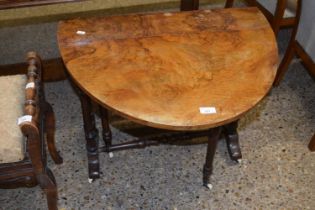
(271, 6)
(12, 97)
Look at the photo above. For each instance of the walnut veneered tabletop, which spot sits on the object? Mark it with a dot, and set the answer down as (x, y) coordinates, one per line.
(158, 69)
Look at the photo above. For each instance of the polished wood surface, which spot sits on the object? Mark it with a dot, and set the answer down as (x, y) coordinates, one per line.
(158, 69)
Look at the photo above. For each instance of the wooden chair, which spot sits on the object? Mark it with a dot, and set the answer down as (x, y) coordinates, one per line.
(22, 147)
(279, 13)
(302, 44)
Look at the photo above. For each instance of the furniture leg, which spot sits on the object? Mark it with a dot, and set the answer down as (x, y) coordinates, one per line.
(50, 133)
(229, 3)
(278, 16)
(188, 5)
(232, 141)
(48, 184)
(91, 136)
(276, 27)
(283, 67)
(213, 138)
(107, 134)
(311, 145)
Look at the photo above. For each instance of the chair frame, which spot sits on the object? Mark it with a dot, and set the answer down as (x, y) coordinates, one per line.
(276, 20)
(295, 48)
(33, 169)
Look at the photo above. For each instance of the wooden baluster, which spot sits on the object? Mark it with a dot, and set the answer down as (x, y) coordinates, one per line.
(91, 135)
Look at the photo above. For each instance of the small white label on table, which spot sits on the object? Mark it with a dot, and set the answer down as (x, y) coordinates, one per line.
(81, 32)
(30, 85)
(168, 14)
(207, 110)
(25, 118)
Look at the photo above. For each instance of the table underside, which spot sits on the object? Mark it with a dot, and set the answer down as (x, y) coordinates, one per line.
(92, 139)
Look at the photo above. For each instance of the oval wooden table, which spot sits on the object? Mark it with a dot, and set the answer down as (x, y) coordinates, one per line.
(185, 71)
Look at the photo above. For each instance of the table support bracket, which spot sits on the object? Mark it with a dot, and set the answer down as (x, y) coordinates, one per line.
(155, 140)
(91, 133)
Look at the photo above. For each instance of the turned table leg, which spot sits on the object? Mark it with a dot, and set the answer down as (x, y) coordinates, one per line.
(188, 5)
(91, 136)
(107, 134)
(232, 141)
(311, 145)
(229, 3)
(213, 138)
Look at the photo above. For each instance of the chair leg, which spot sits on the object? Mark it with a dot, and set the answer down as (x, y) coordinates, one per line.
(50, 132)
(276, 28)
(229, 3)
(52, 197)
(283, 67)
(311, 145)
(48, 184)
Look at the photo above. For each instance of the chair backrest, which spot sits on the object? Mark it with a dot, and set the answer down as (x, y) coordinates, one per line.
(271, 6)
(306, 28)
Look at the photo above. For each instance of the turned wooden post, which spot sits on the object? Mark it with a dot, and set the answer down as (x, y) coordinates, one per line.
(213, 138)
(107, 134)
(91, 135)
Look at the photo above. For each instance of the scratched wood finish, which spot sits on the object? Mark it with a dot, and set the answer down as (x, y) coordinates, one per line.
(158, 69)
